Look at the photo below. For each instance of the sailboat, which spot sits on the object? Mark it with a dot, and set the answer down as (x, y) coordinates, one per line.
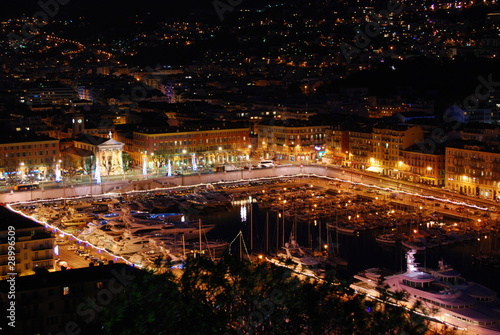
(333, 250)
(298, 259)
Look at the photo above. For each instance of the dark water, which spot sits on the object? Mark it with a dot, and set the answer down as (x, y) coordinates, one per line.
(361, 251)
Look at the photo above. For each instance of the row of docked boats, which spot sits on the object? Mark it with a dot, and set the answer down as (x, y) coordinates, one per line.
(195, 200)
(131, 233)
(425, 238)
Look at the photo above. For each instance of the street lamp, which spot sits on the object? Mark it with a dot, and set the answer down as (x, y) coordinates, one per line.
(348, 160)
(220, 156)
(21, 166)
(283, 237)
(193, 162)
(155, 164)
(144, 166)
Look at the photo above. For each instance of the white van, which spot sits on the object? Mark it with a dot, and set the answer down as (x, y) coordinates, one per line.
(266, 164)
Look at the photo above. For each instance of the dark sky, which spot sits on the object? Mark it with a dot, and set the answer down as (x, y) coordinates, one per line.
(106, 8)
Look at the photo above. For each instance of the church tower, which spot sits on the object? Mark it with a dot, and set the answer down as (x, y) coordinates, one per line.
(78, 123)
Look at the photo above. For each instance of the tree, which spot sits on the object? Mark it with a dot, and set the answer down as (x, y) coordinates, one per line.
(239, 297)
(10, 169)
(127, 161)
(49, 164)
(70, 167)
(89, 165)
(30, 173)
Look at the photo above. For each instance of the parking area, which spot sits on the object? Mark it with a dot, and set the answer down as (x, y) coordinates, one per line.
(77, 255)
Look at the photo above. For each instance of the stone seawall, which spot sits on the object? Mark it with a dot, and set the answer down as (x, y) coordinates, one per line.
(154, 183)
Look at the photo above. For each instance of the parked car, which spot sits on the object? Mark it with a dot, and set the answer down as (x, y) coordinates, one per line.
(266, 164)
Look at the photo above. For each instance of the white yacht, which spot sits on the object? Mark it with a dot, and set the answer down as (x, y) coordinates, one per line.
(467, 306)
(189, 229)
(299, 260)
(78, 219)
(128, 244)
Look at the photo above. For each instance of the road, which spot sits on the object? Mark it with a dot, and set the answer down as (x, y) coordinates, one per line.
(74, 260)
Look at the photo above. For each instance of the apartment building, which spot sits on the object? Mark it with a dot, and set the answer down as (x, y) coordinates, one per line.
(28, 156)
(203, 145)
(424, 166)
(33, 244)
(292, 140)
(389, 141)
(57, 302)
(473, 168)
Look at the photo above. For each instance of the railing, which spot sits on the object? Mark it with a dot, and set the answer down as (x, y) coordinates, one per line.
(42, 247)
(6, 261)
(42, 258)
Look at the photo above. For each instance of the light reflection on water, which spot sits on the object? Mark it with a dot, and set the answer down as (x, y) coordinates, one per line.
(361, 251)
(243, 213)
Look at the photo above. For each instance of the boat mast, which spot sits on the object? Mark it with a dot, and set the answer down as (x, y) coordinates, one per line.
(199, 233)
(277, 231)
(319, 226)
(241, 245)
(183, 247)
(267, 233)
(283, 236)
(337, 231)
(251, 224)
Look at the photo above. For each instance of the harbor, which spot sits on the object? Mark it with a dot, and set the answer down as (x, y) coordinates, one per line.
(343, 225)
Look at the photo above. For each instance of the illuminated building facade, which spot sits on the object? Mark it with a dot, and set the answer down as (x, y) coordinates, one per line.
(360, 147)
(337, 146)
(291, 140)
(424, 166)
(389, 141)
(33, 245)
(205, 147)
(473, 168)
(28, 157)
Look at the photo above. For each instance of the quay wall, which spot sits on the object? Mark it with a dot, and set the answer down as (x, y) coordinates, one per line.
(142, 183)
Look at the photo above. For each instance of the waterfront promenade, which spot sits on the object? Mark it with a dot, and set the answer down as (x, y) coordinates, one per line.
(144, 183)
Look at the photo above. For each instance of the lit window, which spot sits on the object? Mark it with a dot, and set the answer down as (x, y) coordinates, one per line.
(65, 290)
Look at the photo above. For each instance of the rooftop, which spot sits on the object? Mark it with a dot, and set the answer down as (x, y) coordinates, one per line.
(71, 277)
(18, 221)
(22, 137)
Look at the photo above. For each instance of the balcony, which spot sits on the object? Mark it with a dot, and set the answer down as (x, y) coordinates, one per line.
(41, 236)
(3, 274)
(42, 258)
(6, 261)
(5, 252)
(42, 247)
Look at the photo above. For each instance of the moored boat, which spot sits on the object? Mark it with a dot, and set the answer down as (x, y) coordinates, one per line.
(444, 296)
(299, 260)
(388, 238)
